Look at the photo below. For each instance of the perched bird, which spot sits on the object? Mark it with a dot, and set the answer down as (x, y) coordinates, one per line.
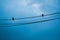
(42, 14)
(13, 18)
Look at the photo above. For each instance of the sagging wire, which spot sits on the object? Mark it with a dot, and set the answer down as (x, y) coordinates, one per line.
(30, 17)
(33, 22)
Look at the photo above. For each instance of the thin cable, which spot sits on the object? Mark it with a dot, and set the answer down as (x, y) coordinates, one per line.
(7, 22)
(36, 16)
(19, 24)
(30, 17)
(38, 21)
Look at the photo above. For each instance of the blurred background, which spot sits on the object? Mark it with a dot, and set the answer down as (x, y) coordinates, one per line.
(49, 30)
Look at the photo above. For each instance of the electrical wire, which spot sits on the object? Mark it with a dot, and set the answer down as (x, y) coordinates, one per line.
(30, 17)
(19, 24)
(33, 22)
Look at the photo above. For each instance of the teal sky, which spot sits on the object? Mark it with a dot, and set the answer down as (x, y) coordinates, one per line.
(26, 8)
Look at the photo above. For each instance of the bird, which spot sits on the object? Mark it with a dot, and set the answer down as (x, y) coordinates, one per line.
(42, 14)
(13, 18)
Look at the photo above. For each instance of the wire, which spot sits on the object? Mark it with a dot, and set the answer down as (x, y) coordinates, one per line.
(33, 22)
(38, 21)
(30, 17)
(7, 22)
(19, 24)
(35, 16)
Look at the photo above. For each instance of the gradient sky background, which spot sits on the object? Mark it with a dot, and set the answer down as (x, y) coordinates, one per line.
(26, 8)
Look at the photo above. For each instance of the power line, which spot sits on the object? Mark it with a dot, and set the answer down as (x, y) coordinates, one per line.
(33, 22)
(38, 21)
(19, 24)
(31, 17)
(7, 22)
(36, 16)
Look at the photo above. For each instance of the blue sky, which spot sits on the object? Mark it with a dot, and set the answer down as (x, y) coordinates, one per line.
(23, 8)
(26, 8)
